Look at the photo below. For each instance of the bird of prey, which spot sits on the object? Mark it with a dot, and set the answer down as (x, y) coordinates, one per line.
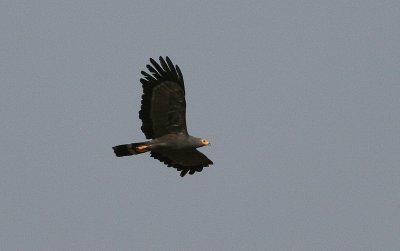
(163, 115)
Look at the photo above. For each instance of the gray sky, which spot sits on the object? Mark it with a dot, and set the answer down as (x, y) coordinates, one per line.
(300, 100)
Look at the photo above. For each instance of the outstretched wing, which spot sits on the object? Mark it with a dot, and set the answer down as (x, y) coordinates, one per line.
(185, 160)
(163, 108)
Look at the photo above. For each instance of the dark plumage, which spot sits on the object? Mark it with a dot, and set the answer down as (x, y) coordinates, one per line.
(163, 115)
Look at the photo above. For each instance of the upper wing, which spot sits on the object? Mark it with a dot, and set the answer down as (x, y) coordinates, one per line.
(163, 108)
(185, 160)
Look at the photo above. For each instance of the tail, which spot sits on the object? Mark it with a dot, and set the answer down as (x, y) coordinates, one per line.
(131, 149)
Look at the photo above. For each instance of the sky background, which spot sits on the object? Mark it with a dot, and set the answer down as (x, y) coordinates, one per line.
(300, 100)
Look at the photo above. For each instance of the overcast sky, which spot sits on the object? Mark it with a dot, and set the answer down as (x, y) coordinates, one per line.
(300, 100)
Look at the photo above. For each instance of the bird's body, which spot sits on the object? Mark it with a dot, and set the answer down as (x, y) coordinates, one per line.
(176, 141)
(163, 114)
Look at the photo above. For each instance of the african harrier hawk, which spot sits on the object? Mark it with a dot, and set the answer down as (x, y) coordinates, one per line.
(163, 116)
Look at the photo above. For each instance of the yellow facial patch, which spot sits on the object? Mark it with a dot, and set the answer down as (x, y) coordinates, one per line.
(204, 142)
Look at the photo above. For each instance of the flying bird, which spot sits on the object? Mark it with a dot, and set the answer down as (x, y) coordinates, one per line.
(163, 115)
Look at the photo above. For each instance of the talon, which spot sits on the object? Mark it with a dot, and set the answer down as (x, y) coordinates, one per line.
(142, 149)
